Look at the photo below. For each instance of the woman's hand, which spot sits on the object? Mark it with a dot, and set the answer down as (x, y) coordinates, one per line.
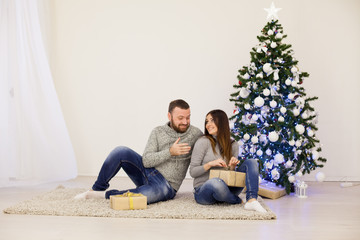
(215, 163)
(233, 162)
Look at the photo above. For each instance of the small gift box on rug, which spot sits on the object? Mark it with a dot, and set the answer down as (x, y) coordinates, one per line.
(270, 190)
(128, 201)
(231, 178)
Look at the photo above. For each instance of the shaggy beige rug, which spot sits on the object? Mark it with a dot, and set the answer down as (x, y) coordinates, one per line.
(61, 202)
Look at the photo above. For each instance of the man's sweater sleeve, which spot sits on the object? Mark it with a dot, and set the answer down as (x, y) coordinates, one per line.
(152, 156)
(197, 157)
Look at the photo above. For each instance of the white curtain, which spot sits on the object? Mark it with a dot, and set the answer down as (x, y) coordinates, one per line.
(34, 142)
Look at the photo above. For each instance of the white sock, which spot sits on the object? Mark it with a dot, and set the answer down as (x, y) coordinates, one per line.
(255, 206)
(90, 194)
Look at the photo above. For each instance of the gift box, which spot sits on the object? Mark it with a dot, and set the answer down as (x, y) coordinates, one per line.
(231, 178)
(270, 190)
(128, 201)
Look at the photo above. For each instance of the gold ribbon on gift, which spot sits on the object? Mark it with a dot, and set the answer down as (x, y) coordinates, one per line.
(130, 195)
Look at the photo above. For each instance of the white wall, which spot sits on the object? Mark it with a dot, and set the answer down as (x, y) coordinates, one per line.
(118, 63)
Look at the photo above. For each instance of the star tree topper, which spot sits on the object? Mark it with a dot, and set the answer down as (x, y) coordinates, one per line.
(272, 12)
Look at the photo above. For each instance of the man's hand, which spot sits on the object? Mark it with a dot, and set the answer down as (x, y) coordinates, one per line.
(179, 148)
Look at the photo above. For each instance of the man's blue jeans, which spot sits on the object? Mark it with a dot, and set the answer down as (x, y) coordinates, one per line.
(215, 189)
(148, 181)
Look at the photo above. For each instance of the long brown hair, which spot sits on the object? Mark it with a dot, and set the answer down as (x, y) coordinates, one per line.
(223, 134)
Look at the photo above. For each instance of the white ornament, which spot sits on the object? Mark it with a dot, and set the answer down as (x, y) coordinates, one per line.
(315, 155)
(300, 128)
(273, 136)
(288, 164)
(268, 152)
(298, 143)
(296, 112)
(299, 101)
(247, 106)
(294, 84)
(246, 76)
(283, 110)
(279, 35)
(310, 133)
(246, 136)
(254, 117)
(269, 165)
(259, 152)
(279, 158)
(320, 176)
(291, 96)
(273, 45)
(273, 104)
(244, 92)
(288, 82)
(254, 139)
(266, 92)
(259, 101)
(292, 142)
(260, 75)
(263, 138)
(294, 69)
(276, 75)
(291, 179)
(270, 32)
(275, 174)
(304, 115)
(299, 174)
(281, 119)
(267, 68)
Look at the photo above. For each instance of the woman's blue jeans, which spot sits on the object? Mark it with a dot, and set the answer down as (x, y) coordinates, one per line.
(215, 189)
(148, 181)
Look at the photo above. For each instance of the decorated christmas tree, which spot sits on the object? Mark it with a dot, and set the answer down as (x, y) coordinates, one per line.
(274, 120)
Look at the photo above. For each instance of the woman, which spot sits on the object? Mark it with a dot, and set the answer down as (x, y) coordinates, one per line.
(216, 150)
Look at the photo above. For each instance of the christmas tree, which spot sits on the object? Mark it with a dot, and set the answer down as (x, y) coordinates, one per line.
(274, 120)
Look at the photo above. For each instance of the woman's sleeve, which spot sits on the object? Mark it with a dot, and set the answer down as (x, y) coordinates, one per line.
(197, 157)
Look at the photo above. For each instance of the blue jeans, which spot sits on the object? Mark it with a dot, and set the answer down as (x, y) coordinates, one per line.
(148, 181)
(215, 189)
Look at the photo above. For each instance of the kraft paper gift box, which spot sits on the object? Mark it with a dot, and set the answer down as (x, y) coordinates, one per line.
(231, 178)
(128, 201)
(270, 190)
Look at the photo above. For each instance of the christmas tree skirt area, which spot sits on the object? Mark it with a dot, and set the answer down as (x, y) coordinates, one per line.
(61, 202)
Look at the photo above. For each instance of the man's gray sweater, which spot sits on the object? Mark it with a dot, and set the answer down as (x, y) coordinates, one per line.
(157, 153)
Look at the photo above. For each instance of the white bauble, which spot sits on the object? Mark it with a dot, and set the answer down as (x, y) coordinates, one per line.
(266, 92)
(283, 110)
(298, 152)
(291, 179)
(298, 143)
(246, 136)
(275, 174)
(279, 35)
(288, 82)
(259, 152)
(255, 117)
(291, 96)
(296, 112)
(294, 69)
(300, 128)
(247, 106)
(267, 68)
(273, 136)
(304, 115)
(279, 158)
(299, 174)
(320, 176)
(273, 104)
(315, 155)
(254, 139)
(268, 152)
(269, 165)
(244, 92)
(259, 101)
(294, 84)
(246, 76)
(310, 133)
(273, 45)
(281, 119)
(263, 138)
(288, 164)
(270, 32)
(260, 75)
(252, 150)
(292, 142)
(299, 101)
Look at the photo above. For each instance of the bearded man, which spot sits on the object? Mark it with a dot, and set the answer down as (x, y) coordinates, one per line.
(159, 173)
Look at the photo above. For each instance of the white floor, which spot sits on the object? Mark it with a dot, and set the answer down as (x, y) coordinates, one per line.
(329, 212)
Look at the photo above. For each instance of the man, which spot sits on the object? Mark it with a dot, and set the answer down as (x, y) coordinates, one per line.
(159, 173)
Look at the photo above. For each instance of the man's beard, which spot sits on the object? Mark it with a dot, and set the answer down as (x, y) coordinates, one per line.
(178, 128)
